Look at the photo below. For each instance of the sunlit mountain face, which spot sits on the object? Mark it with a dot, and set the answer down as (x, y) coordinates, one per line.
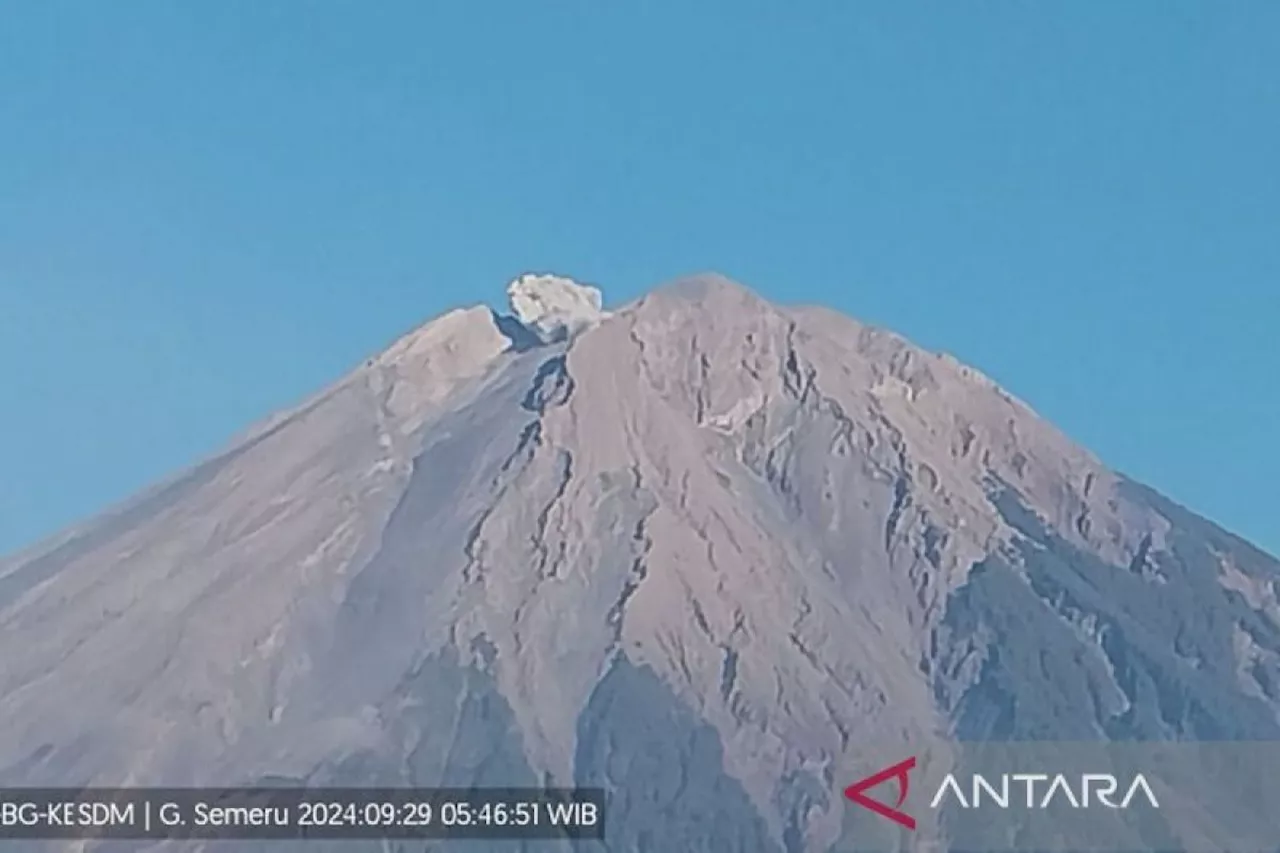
(716, 556)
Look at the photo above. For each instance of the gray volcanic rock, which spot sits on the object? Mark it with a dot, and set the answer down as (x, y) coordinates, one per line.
(716, 556)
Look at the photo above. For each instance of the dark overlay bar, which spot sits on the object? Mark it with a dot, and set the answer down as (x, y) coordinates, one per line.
(220, 814)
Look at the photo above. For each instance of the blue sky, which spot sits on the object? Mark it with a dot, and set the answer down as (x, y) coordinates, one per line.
(209, 210)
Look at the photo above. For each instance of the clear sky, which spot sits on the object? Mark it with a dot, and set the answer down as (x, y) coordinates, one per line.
(208, 210)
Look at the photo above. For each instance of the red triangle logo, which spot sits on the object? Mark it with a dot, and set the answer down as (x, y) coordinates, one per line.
(857, 792)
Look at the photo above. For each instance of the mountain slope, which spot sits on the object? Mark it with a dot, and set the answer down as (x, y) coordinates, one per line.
(712, 554)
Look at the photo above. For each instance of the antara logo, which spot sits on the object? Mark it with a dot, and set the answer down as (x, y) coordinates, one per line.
(1040, 790)
(1079, 793)
(857, 792)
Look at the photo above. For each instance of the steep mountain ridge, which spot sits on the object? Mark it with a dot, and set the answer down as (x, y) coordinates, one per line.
(712, 554)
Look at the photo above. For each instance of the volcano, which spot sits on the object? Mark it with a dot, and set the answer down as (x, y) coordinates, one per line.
(716, 556)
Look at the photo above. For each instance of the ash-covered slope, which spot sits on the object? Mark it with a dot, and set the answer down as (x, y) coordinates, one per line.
(714, 555)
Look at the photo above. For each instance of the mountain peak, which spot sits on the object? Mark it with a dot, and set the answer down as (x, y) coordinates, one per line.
(706, 287)
(755, 545)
